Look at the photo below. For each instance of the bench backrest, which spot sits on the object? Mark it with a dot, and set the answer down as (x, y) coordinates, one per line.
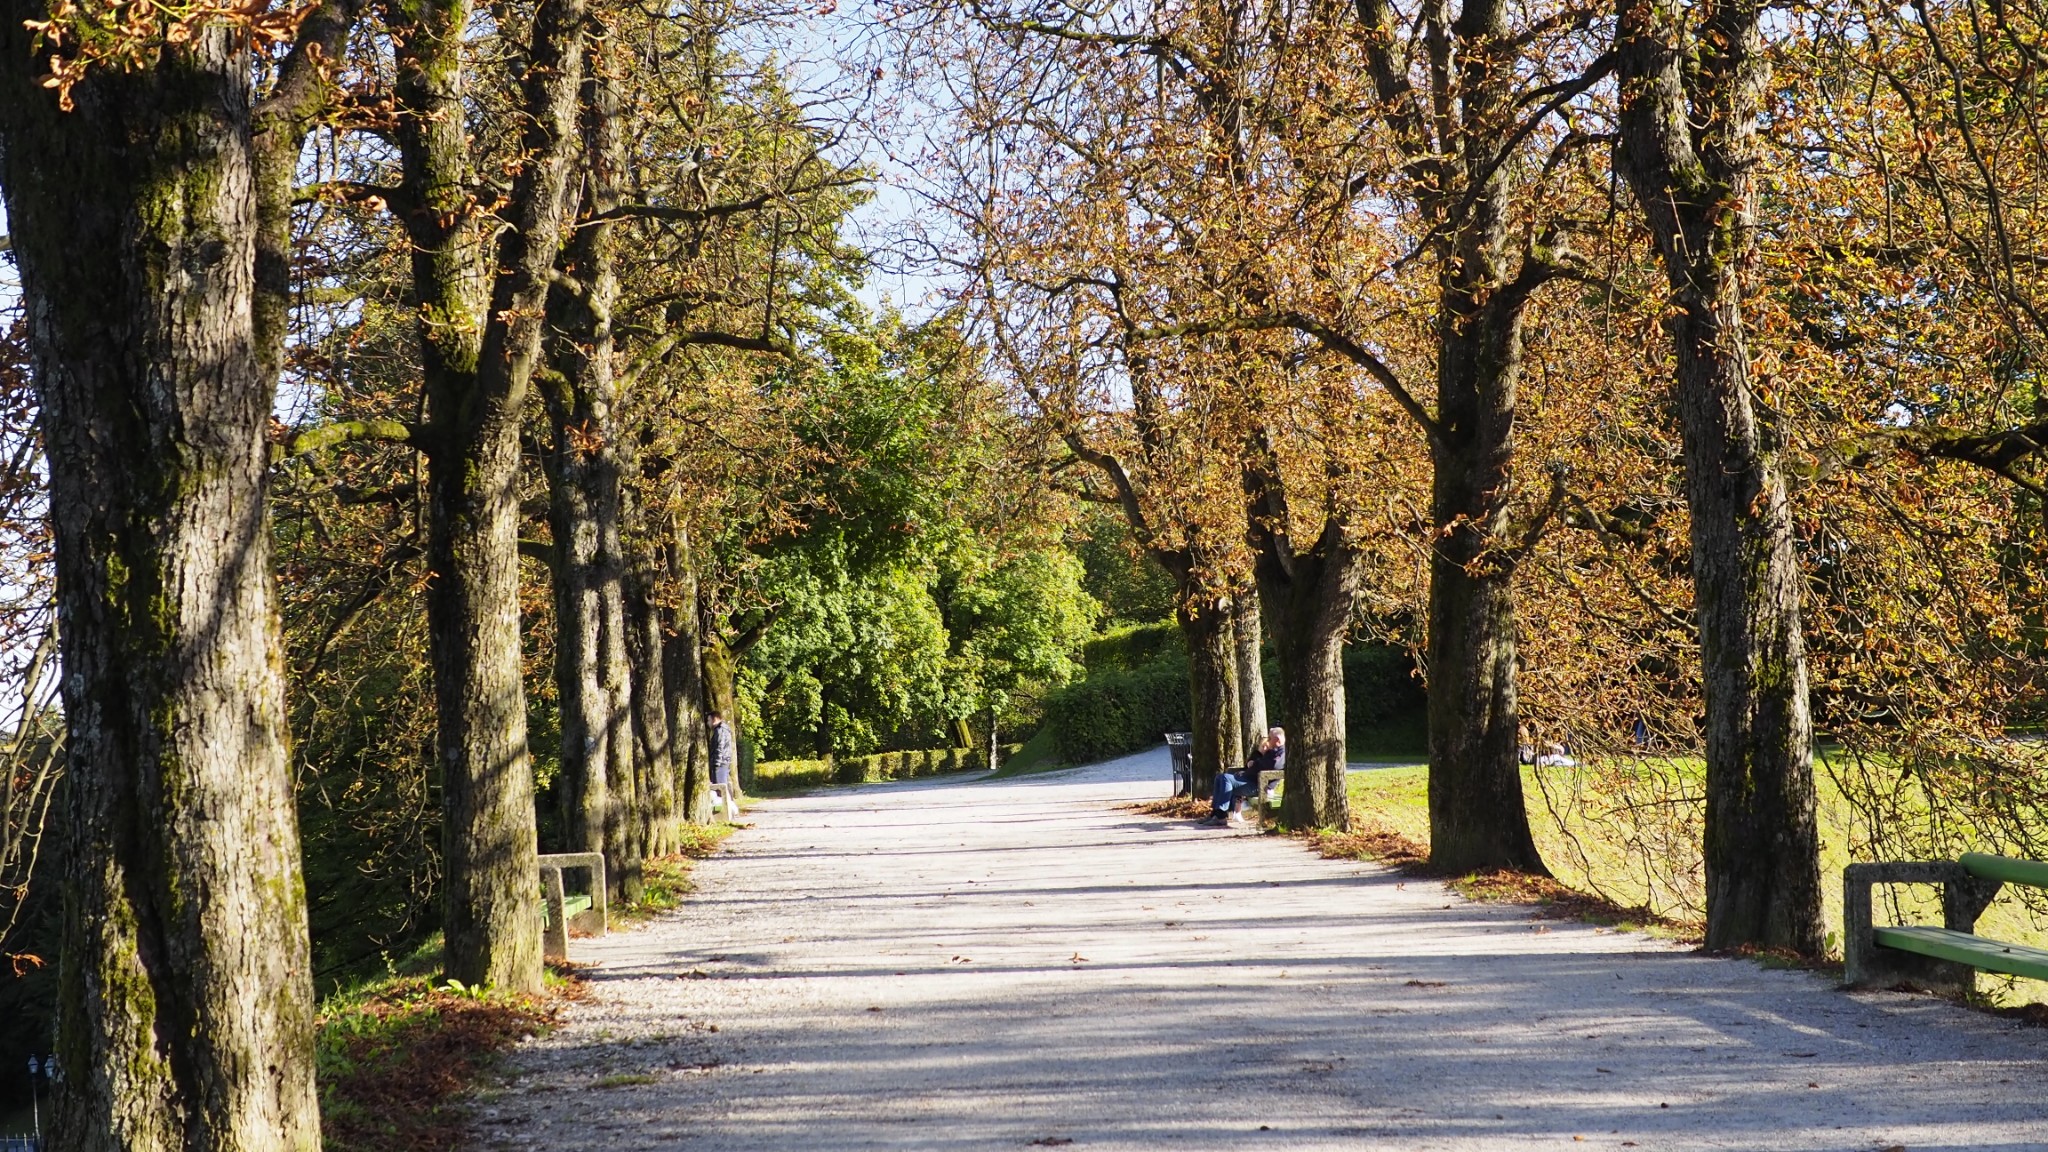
(2005, 869)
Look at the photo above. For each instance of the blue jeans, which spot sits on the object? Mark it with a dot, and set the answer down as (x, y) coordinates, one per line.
(1230, 789)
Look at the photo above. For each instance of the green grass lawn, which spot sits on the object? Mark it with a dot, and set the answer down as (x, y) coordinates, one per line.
(1636, 844)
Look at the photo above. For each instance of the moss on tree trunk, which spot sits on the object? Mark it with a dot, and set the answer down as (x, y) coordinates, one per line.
(186, 1003)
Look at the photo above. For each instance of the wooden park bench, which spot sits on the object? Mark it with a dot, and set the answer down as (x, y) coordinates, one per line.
(1945, 959)
(586, 912)
(1180, 746)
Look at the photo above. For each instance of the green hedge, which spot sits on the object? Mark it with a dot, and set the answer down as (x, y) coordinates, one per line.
(1115, 713)
(1380, 686)
(790, 775)
(1134, 648)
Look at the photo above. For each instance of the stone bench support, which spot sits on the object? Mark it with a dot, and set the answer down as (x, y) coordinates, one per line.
(555, 941)
(1866, 965)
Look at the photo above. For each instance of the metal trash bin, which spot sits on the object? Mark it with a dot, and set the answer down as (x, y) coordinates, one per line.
(1181, 747)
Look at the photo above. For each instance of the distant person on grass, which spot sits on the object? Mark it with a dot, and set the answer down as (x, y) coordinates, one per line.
(724, 755)
(1233, 787)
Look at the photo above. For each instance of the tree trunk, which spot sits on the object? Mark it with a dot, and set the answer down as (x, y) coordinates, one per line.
(1212, 687)
(481, 323)
(682, 665)
(654, 763)
(721, 678)
(1246, 622)
(1308, 597)
(1477, 818)
(606, 777)
(1308, 600)
(186, 1000)
(1762, 847)
(591, 677)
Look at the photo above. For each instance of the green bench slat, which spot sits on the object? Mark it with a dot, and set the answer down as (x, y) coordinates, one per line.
(2005, 869)
(571, 905)
(1963, 948)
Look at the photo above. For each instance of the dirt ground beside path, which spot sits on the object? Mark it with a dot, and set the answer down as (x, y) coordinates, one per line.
(1018, 964)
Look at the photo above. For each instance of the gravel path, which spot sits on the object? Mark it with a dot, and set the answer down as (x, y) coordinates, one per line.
(1017, 964)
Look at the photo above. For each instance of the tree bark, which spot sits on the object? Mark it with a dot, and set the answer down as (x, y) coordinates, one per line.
(481, 323)
(593, 654)
(1477, 817)
(186, 1000)
(682, 666)
(1246, 622)
(1205, 625)
(1308, 600)
(1308, 597)
(1762, 850)
(654, 766)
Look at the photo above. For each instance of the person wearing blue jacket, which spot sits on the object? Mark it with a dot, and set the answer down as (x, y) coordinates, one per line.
(1233, 787)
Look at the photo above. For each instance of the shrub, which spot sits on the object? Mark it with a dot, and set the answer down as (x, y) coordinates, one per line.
(1114, 713)
(1380, 686)
(1134, 647)
(790, 775)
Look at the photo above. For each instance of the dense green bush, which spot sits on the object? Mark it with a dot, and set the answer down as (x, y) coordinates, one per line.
(1134, 647)
(1118, 712)
(1380, 686)
(790, 775)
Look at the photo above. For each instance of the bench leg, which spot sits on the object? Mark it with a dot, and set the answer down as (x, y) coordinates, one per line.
(1866, 965)
(554, 943)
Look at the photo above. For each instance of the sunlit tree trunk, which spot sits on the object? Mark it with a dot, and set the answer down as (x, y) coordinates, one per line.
(481, 293)
(1249, 628)
(684, 681)
(1308, 601)
(1692, 103)
(1308, 596)
(653, 763)
(1205, 625)
(601, 783)
(186, 999)
(1477, 819)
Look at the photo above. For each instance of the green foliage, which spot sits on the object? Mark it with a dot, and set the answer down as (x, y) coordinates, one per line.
(1118, 712)
(1017, 620)
(1134, 646)
(851, 661)
(794, 775)
(858, 661)
(1131, 586)
(1380, 686)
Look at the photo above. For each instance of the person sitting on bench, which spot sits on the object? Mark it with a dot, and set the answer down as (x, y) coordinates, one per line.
(1233, 787)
